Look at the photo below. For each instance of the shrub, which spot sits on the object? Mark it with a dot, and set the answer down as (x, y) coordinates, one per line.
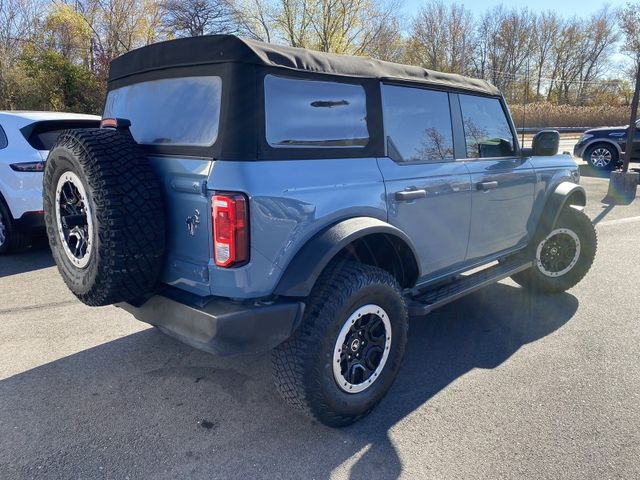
(543, 115)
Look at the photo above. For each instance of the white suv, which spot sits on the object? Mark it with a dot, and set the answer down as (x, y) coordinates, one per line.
(25, 140)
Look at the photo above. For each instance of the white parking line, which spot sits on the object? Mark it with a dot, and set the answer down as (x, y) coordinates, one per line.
(618, 221)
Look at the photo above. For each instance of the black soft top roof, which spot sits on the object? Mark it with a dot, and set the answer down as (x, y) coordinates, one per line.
(214, 49)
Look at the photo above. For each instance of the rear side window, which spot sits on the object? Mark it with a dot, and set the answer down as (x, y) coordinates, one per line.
(3, 139)
(417, 124)
(310, 113)
(44, 140)
(486, 128)
(172, 111)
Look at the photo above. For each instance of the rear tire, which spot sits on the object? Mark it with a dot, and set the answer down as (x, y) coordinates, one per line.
(11, 238)
(104, 216)
(350, 305)
(564, 257)
(602, 157)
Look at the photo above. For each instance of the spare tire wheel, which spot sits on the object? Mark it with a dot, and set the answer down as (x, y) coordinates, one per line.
(104, 215)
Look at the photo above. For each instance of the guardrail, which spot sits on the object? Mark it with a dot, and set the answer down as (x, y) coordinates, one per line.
(559, 129)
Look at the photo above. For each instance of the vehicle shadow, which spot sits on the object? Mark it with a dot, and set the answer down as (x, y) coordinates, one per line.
(147, 406)
(587, 170)
(35, 258)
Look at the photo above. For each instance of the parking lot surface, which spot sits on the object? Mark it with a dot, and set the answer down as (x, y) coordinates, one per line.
(500, 384)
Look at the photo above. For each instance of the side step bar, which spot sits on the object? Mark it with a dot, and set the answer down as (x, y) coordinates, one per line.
(438, 296)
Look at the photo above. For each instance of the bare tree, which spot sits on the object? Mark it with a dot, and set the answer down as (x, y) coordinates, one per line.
(192, 18)
(357, 27)
(255, 19)
(630, 27)
(440, 37)
(293, 19)
(387, 44)
(19, 24)
(580, 56)
(601, 37)
(545, 36)
(119, 26)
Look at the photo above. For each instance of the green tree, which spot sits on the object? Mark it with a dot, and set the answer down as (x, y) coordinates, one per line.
(53, 82)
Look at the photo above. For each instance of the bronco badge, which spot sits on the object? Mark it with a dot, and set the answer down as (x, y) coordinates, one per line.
(192, 222)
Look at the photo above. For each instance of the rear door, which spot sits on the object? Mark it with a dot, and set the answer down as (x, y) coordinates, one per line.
(428, 191)
(503, 182)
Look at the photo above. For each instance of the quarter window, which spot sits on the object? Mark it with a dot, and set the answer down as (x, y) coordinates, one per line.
(486, 128)
(417, 124)
(318, 114)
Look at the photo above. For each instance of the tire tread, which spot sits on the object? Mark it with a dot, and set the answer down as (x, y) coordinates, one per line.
(533, 279)
(129, 213)
(296, 368)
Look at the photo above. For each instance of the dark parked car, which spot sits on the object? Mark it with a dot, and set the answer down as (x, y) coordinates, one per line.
(603, 148)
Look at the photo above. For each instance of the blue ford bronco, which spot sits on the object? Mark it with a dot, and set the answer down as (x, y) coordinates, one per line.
(243, 197)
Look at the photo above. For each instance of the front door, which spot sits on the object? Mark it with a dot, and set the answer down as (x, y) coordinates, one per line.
(503, 183)
(428, 192)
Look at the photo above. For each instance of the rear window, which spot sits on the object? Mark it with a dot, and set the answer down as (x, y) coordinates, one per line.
(318, 114)
(174, 111)
(43, 135)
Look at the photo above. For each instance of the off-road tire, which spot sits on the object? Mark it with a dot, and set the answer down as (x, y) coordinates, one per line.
(127, 211)
(578, 222)
(302, 365)
(612, 151)
(15, 240)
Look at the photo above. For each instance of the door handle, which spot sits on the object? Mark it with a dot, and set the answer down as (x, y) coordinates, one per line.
(484, 186)
(408, 195)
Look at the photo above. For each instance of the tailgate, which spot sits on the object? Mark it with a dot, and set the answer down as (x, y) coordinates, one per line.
(188, 220)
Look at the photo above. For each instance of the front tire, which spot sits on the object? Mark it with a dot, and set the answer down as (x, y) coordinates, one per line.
(346, 353)
(602, 157)
(564, 256)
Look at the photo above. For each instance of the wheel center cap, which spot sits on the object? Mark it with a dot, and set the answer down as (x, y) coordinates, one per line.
(554, 251)
(355, 345)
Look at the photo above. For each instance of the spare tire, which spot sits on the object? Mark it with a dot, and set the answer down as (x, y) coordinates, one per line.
(104, 214)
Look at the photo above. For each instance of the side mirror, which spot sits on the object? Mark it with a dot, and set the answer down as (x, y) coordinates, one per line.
(546, 142)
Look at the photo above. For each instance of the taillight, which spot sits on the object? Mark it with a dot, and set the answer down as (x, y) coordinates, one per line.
(28, 166)
(230, 229)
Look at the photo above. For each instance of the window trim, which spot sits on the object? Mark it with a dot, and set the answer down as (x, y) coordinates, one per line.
(516, 146)
(385, 123)
(4, 140)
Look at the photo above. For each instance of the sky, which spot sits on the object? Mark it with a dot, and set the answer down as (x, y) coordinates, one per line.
(563, 7)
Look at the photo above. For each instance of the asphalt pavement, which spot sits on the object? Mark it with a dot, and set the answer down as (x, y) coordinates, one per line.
(500, 384)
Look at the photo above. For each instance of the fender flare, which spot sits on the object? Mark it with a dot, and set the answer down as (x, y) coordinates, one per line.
(565, 193)
(308, 263)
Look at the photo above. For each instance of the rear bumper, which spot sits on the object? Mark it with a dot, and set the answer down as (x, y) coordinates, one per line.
(218, 325)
